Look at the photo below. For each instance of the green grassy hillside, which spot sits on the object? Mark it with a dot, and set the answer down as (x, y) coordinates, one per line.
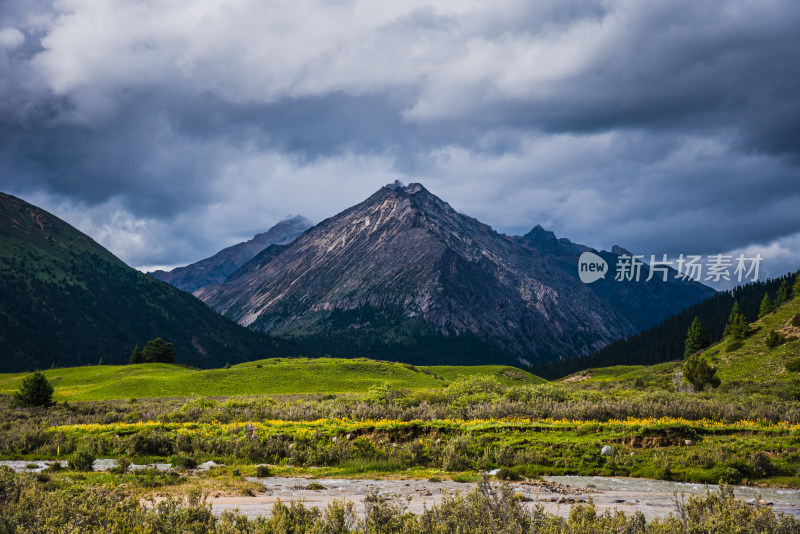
(665, 342)
(267, 377)
(753, 361)
(65, 300)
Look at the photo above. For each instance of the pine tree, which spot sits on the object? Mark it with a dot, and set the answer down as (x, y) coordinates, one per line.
(739, 328)
(696, 338)
(136, 355)
(796, 288)
(158, 350)
(35, 390)
(766, 307)
(784, 293)
(737, 324)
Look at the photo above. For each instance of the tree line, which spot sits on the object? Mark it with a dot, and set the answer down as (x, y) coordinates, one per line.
(666, 342)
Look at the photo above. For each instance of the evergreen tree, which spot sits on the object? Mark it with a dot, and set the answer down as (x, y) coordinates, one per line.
(737, 324)
(700, 373)
(696, 338)
(796, 288)
(739, 328)
(158, 351)
(766, 307)
(784, 293)
(35, 390)
(136, 355)
(734, 312)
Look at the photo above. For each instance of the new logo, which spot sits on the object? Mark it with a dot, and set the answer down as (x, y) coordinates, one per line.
(591, 267)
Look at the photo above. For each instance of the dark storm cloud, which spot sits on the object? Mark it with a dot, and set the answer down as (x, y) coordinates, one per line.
(171, 131)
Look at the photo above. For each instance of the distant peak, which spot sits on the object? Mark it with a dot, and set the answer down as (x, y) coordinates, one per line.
(296, 219)
(619, 251)
(410, 189)
(538, 233)
(397, 185)
(414, 188)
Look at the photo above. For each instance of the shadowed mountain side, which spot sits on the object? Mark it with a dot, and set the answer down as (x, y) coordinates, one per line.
(66, 300)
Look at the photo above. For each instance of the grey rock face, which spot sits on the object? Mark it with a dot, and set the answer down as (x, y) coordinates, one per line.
(404, 257)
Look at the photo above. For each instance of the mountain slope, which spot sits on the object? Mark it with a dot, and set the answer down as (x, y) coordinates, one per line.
(752, 366)
(65, 300)
(665, 342)
(403, 275)
(220, 266)
(644, 304)
(755, 360)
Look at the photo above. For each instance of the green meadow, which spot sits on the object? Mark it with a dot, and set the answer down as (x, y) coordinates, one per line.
(278, 376)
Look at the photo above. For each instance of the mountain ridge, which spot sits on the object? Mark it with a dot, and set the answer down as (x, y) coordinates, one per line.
(66, 300)
(403, 263)
(217, 268)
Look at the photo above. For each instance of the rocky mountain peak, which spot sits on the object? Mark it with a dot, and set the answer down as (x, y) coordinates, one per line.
(404, 260)
(403, 275)
(224, 263)
(539, 234)
(397, 185)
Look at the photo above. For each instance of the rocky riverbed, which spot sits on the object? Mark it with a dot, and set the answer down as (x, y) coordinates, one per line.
(654, 498)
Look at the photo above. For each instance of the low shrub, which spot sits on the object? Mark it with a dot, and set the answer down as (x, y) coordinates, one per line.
(733, 345)
(82, 460)
(184, 461)
(262, 471)
(508, 474)
(124, 463)
(775, 339)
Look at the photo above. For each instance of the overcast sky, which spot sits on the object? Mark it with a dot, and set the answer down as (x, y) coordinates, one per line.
(167, 130)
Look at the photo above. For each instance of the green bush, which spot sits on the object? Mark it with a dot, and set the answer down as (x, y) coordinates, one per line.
(734, 344)
(700, 373)
(775, 339)
(184, 461)
(793, 365)
(82, 460)
(455, 456)
(124, 463)
(54, 467)
(35, 390)
(262, 471)
(508, 474)
(796, 320)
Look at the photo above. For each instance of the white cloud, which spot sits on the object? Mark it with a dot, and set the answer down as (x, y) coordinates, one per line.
(455, 55)
(254, 192)
(11, 38)
(170, 129)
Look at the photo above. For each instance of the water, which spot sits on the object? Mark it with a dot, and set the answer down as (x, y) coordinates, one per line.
(101, 464)
(654, 498)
